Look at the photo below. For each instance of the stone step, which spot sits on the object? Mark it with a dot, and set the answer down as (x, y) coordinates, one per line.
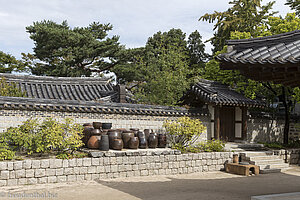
(268, 171)
(255, 158)
(267, 162)
(256, 153)
(274, 166)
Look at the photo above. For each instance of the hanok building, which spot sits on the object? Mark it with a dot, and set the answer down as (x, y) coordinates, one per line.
(272, 58)
(228, 108)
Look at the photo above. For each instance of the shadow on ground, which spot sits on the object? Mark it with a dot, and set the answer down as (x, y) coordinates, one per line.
(210, 189)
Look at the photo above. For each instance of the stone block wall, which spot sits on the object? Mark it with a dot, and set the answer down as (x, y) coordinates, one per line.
(291, 156)
(110, 165)
(11, 118)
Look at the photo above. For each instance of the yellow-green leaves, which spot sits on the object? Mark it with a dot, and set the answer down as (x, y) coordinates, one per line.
(34, 136)
(183, 132)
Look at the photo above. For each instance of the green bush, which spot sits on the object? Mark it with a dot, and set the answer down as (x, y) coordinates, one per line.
(35, 137)
(5, 152)
(183, 132)
(211, 146)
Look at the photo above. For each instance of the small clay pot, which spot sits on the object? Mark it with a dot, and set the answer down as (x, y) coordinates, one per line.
(104, 143)
(93, 142)
(97, 125)
(143, 144)
(162, 141)
(152, 141)
(106, 125)
(133, 143)
(117, 144)
(126, 138)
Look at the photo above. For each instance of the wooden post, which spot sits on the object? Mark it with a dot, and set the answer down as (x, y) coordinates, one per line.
(217, 122)
(244, 123)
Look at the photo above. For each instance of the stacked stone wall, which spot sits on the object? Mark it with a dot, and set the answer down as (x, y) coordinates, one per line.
(110, 165)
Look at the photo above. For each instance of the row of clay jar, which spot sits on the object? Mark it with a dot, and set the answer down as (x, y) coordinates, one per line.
(96, 137)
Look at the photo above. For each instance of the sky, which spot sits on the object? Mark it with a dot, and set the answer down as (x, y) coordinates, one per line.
(133, 20)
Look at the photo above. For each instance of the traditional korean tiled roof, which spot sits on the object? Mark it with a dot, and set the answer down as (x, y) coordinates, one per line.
(220, 94)
(272, 58)
(64, 88)
(86, 95)
(31, 104)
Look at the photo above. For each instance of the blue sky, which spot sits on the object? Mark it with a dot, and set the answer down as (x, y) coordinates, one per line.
(133, 20)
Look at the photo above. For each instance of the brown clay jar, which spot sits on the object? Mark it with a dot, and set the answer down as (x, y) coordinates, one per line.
(117, 144)
(113, 134)
(86, 134)
(126, 138)
(162, 141)
(93, 142)
(152, 141)
(134, 143)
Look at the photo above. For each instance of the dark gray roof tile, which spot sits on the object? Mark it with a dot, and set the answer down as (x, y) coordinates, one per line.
(220, 94)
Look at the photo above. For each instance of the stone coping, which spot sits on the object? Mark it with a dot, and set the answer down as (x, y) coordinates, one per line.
(131, 152)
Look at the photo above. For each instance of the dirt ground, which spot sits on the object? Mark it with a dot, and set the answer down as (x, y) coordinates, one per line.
(210, 185)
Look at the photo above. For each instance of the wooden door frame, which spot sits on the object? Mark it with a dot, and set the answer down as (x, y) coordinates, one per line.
(217, 123)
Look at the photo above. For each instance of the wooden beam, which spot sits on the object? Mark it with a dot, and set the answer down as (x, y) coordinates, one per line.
(217, 123)
(244, 123)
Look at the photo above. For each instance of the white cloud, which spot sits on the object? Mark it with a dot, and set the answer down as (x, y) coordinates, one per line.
(133, 20)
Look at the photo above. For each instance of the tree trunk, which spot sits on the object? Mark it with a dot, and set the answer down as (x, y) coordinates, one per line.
(287, 116)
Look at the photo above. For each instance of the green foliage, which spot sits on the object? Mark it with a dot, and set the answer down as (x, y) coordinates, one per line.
(64, 51)
(5, 152)
(10, 89)
(161, 72)
(9, 63)
(277, 145)
(208, 146)
(35, 137)
(183, 132)
(243, 16)
(295, 5)
(197, 55)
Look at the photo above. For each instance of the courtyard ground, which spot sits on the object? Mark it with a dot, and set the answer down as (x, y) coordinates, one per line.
(203, 186)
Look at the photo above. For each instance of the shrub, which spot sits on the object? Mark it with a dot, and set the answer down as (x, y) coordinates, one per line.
(183, 132)
(5, 152)
(35, 137)
(211, 146)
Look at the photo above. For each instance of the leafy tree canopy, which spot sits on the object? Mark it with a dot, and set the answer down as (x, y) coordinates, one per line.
(64, 51)
(243, 16)
(161, 71)
(9, 63)
(288, 96)
(295, 5)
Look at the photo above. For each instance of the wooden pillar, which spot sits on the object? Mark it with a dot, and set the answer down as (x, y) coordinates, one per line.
(217, 123)
(244, 123)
